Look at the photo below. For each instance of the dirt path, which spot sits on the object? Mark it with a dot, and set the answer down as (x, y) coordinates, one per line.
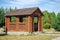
(58, 38)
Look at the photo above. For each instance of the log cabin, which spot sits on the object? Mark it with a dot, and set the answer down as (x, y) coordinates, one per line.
(26, 26)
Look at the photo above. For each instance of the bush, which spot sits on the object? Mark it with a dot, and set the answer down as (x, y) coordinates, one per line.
(47, 26)
(57, 28)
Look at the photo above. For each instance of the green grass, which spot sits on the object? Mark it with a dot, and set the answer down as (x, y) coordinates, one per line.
(27, 37)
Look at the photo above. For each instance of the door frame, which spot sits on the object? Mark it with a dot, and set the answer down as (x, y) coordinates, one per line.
(37, 23)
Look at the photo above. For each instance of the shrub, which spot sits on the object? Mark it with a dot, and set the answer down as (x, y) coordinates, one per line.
(47, 26)
(57, 28)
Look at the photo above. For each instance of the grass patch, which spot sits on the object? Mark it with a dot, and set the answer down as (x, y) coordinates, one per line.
(31, 34)
(27, 37)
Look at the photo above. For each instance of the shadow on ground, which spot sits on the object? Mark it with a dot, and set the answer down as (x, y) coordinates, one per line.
(3, 34)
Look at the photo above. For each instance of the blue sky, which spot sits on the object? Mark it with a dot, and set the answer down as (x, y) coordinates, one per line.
(49, 5)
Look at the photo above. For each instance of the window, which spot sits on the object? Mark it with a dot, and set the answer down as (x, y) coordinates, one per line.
(13, 19)
(22, 19)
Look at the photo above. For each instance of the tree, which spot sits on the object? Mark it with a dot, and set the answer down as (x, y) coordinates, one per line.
(45, 17)
(46, 20)
(58, 22)
(52, 19)
(2, 16)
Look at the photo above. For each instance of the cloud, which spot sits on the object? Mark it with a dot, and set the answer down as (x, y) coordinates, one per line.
(22, 2)
(50, 5)
(19, 3)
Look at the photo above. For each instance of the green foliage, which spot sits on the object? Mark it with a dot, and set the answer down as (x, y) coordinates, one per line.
(2, 13)
(47, 26)
(24, 19)
(35, 19)
(13, 19)
(45, 17)
(58, 22)
(57, 28)
(53, 19)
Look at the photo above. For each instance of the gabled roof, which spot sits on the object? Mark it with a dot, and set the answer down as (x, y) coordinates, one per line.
(25, 11)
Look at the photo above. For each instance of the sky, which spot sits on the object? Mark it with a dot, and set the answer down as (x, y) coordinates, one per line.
(49, 5)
